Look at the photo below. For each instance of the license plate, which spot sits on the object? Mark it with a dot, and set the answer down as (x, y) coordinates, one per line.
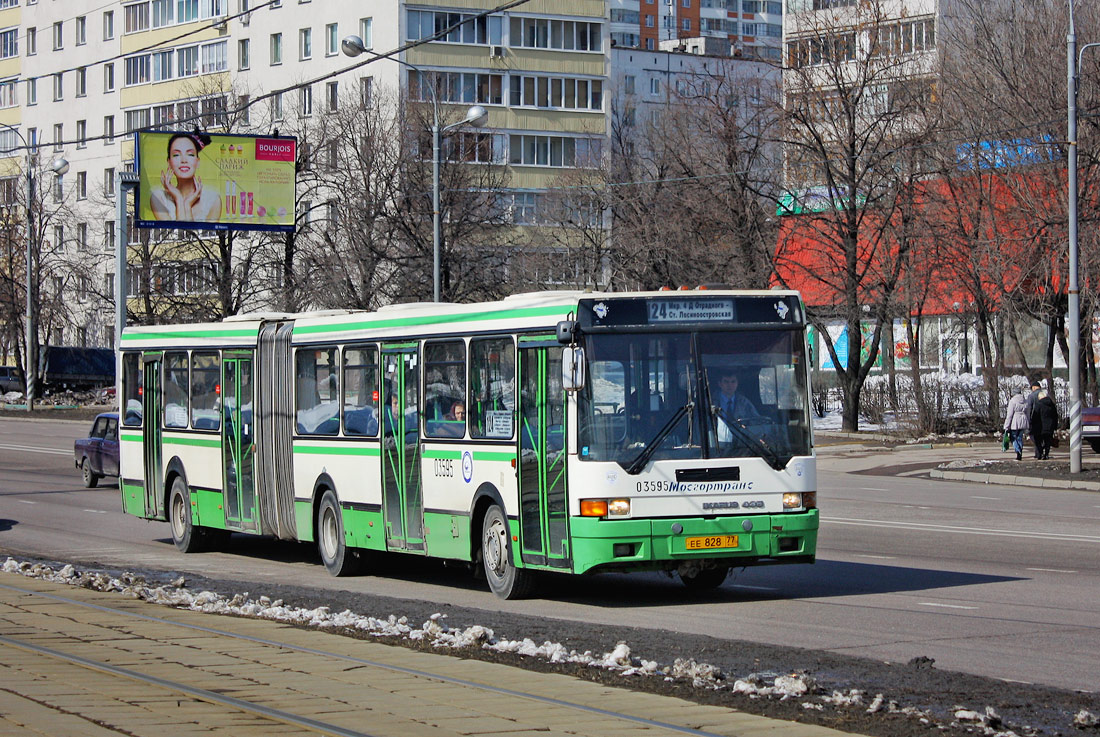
(711, 542)
(1091, 428)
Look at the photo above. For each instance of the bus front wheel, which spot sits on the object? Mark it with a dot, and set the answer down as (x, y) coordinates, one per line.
(505, 580)
(187, 537)
(704, 579)
(330, 538)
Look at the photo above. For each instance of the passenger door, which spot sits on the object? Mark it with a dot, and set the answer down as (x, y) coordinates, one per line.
(544, 511)
(402, 491)
(151, 436)
(238, 445)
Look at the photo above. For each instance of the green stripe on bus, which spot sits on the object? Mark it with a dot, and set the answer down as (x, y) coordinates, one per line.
(200, 442)
(488, 455)
(168, 334)
(435, 319)
(453, 455)
(337, 450)
(130, 438)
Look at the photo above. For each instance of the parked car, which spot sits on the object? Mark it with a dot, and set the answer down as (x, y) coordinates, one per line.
(10, 380)
(1090, 427)
(97, 455)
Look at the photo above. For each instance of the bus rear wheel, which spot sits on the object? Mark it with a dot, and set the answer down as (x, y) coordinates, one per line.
(187, 537)
(705, 579)
(338, 559)
(505, 580)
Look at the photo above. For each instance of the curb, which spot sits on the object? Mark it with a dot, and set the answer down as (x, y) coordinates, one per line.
(1004, 480)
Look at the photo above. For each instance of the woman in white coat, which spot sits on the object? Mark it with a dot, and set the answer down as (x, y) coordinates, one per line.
(1017, 421)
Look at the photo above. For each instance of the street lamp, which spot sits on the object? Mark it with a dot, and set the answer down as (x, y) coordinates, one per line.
(1073, 63)
(58, 166)
(965, 366)
(476, 116)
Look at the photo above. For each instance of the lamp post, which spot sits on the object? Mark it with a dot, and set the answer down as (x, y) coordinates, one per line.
(476, 116)
(1073, 63)
(58, 166)
(965, 363)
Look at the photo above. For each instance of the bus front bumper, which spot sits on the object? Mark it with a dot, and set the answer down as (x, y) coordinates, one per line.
(648, 544)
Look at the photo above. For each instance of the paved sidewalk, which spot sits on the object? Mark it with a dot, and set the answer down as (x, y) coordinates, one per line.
(954, 460)
(74, 669)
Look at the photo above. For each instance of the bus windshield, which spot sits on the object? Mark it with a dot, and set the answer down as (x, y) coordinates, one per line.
(694, 395)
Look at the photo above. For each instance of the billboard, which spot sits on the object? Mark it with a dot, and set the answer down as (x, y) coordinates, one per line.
(201, 181)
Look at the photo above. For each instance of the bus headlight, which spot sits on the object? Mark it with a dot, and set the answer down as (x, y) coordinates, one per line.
(796, 500)
(618, 508)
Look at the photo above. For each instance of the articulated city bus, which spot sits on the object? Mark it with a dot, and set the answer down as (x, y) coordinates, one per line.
(570, 432)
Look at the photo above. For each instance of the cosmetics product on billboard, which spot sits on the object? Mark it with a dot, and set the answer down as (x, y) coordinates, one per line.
(250, 203)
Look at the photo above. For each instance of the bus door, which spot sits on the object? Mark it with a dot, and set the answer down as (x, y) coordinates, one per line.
(152, 454)
(238, 435)
(402, 491)
(543, 511)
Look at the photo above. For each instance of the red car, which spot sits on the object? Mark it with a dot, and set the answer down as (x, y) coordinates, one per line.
(97, 455)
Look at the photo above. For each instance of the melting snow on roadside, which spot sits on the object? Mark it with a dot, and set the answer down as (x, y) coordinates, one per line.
(438, 634)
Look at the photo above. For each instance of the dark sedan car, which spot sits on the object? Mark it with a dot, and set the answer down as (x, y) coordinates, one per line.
(1090, 427)
(97, 455)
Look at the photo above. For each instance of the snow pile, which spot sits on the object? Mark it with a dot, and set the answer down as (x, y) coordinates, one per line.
(437, 634)
(1085, 718)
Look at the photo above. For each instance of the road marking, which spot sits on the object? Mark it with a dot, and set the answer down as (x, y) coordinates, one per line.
(926, 527)
(992, 498)
(25, 501)
(946, 606)
(32, 449)
(876, 557)
(1050, 570)
(96, 511)
(872, 488)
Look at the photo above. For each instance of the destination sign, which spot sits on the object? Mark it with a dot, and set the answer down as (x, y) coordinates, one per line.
(691, 310)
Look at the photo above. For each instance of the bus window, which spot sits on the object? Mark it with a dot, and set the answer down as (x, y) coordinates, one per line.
(206, 376)
(361, 391)
(492, 397)
(131, 389)
(316, 391)
(445, 389)
(175, 389)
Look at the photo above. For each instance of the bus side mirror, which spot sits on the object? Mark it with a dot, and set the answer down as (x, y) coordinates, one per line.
(567, 332)
(572, 368)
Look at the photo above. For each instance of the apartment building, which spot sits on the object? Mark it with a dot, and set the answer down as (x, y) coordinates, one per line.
(77, 78)
(750, 28)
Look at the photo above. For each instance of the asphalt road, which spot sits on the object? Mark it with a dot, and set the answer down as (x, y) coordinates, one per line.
(988, 580)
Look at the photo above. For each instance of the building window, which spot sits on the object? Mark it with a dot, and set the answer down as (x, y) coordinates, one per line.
(305, 44)
(32, 91)
(276, 48)
(81, 30)
(8, 96)
(366, 90)
(654, 86)
(32, 41)
(628, 84)
(108, 77)
(243, 60)
(138, 70)
(82, 134)
(188, 11)
(109, 188)
(649, 21)
(81, 82)
(277, 106)
(187, 61)
(108, 244)
(366, 32)
(162, 13)
(467, 28)
(108, 129)
(58, 87)
(108, 25)
(215, 57)
(332, 40)
(9, 43)
(58, 36)
(137, 18)
(544, 33)
(555, 151)
(546, 92)
(82, 237)
(305, 97)
(687, 24)
(59, 234)
(332, 95)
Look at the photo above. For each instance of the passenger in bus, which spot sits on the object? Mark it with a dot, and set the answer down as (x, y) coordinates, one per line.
(457, 413)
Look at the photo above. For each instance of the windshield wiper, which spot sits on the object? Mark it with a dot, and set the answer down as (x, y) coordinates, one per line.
(638, 463)
(762, 448)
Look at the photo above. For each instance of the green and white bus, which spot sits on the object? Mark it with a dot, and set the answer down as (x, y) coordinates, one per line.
(570, 432)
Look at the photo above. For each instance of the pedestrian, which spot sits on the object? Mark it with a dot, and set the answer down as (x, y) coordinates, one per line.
(1033, 395)
(1017, 422)
(1044, 421)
